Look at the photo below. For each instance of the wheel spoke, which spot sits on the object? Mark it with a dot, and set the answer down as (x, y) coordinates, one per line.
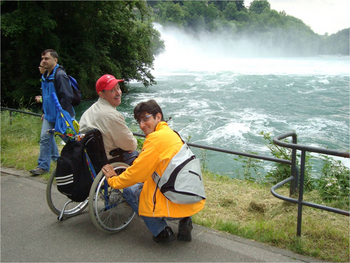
(109, 213)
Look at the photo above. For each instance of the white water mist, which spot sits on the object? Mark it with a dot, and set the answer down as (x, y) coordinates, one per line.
(215, 52)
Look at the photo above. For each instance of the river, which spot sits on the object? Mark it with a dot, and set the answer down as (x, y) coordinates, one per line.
(221, 99)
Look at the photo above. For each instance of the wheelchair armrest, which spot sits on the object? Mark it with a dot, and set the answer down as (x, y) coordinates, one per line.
(116, 152)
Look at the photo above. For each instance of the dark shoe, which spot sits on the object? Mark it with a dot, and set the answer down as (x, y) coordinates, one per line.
(185, 228)
(38, 171)
(165, 236)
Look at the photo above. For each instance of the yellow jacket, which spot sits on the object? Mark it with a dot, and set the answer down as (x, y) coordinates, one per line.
(158, 149)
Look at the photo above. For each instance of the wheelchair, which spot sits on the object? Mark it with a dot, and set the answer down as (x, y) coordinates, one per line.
(108, 210)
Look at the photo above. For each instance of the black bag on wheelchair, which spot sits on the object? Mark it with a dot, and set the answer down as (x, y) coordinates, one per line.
(77, 164)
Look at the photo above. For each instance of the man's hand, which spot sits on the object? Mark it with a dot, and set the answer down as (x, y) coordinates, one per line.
(38, 99)
(108, 171)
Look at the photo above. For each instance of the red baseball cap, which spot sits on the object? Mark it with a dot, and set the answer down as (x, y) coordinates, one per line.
(106, 82)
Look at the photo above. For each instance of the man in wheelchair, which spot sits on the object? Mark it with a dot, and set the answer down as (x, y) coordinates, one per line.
(102, 115)
(140, 191)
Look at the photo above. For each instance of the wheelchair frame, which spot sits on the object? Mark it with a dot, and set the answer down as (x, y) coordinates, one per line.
(108, 210)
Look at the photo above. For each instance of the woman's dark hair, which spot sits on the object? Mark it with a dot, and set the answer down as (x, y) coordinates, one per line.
(150, 106)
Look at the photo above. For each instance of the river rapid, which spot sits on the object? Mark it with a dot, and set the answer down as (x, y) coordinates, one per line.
(219, 98)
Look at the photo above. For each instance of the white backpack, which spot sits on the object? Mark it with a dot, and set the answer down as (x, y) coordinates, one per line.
(182, 181)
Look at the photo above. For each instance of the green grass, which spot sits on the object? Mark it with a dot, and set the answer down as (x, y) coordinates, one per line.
(249, 210)
(20, 141)
(239, 207)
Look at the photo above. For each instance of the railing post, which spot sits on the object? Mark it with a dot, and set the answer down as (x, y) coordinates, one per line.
(293, 189)
(301, 192)
(10, 117)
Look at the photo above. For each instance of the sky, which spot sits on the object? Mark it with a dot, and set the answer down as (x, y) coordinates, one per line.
(321, 15)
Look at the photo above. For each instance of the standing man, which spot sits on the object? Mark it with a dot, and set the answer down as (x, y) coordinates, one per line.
(63, 90)
(102, 115)
(140, 191)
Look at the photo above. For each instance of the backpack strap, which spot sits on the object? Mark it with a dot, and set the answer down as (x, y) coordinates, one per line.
(56, 70)
(155, 175)
(54, 81)
(179, 136)
(55, 73)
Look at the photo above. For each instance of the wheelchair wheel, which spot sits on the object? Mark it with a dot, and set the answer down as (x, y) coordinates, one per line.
(56, 200)
(108, 210)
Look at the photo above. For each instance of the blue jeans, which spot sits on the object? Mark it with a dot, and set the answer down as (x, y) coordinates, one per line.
(132, 196)
(130, 157)
(48, 147)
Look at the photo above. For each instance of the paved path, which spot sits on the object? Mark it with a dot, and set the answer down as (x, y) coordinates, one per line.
(30, 232)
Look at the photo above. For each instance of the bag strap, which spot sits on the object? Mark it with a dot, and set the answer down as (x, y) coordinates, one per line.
(155, 175)
(179, 136)
(54, 77)
(156, 178)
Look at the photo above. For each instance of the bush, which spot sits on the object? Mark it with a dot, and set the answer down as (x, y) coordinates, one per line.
(334, 182)
(282, 171)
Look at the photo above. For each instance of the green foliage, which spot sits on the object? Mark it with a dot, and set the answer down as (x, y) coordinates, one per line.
(231, 11)
(204, 160)
(334, 182)
(331, 187)
(282, 171)
(20, 136)
(259, 6)
(91, 38)
(251, 168)
(336, 43)
(140, 142)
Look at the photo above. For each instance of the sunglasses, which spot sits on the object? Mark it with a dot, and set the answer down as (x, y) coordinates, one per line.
(144, 119)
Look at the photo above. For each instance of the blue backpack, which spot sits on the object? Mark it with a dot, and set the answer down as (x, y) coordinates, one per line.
(75, 87)
(76, 91)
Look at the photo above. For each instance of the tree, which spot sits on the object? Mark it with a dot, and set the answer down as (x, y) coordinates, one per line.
(259, 6)
(92, 38)
(230, 11)
(220, 5)
(171, 14)
(195, 14)
(22, 25)
(240, 5)
(213, 18)
(212, 13)
(336, 44)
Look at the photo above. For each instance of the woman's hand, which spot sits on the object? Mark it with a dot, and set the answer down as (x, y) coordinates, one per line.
(108, 171)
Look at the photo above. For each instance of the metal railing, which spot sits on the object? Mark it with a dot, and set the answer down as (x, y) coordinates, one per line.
(21, 111)
(296, 183)
(294, 146)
